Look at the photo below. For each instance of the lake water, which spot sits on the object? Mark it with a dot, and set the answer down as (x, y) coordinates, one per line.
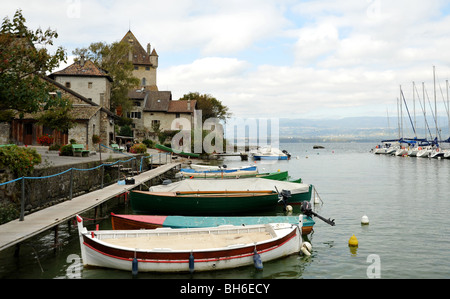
(406, 200)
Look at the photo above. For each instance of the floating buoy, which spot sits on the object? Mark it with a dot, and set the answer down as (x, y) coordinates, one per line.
(306, 248)
(364, 220)
(353, 241)
(191, 263)
(288, 208)
(257, 260)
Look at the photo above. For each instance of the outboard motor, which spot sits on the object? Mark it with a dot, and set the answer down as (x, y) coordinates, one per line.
(284, 197)
(287, 153)
(307, 210)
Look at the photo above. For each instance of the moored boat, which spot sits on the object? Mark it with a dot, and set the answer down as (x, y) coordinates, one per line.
(203, 202)
(188, 250)
(134, 222)
(269, 153)
(299, 191)
(180, 153)
(219, 172)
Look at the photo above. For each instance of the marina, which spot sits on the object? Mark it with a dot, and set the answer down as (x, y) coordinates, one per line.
(352, 182)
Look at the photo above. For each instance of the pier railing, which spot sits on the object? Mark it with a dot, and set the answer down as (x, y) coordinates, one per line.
(118, 164)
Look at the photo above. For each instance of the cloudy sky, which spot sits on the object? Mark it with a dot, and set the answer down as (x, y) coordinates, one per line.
(271, 58)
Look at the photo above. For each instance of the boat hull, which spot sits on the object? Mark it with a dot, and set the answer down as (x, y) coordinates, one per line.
(99, 248)
(135, 222)
(170, 150)
(270, 157)
(237, 172)
(202, 204)
(299, 191)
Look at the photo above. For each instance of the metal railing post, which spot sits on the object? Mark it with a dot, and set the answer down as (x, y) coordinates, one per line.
(22, 202)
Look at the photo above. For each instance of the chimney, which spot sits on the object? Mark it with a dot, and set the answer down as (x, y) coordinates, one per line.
(189, 105)
(82, 60)
(148, 49)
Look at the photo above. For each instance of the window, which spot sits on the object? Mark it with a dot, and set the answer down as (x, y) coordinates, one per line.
(68, 84)
(89, 85)
(147, 68)
(144, 81)
(137, 104)
(134, 115)
(177, 115)
(155, 123)
(136, 68)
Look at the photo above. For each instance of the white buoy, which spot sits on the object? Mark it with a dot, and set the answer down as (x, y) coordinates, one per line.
(288, 208)
(364, 220)
(306, 248)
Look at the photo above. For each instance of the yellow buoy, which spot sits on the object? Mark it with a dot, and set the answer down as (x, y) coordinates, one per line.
(353, 241)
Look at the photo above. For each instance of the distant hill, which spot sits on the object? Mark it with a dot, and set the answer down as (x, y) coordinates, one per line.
(355, 129)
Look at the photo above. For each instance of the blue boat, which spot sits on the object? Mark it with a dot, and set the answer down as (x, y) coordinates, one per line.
(210, 172)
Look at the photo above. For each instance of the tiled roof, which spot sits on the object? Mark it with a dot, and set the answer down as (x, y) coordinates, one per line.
(88, 69)
(140, 55)
(158, 101)
(181, 106)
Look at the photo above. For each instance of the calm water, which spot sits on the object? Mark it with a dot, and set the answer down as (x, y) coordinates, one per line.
(406, 200)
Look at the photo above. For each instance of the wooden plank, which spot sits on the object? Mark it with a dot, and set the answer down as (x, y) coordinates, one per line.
(16, 231)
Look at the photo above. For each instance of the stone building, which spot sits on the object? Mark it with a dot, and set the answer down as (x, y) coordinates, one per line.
(92, 86)
(152, 107)
(89, 118)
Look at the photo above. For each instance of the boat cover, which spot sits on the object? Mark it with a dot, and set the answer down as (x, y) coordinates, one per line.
(247, 184)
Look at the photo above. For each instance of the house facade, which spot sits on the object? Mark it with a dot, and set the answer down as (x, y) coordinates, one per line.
(89, 117)
(90, 87)
(151, 107)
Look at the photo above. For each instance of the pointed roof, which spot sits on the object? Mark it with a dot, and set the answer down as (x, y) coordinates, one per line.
(140, 55)
(86, 69)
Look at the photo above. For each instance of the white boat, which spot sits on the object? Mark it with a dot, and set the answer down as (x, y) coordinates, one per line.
(387, 147)
(269, 153)
(402, 151)
(217, 171)
(437, 153)
(424, 152)
(412, 152)
(189, 249)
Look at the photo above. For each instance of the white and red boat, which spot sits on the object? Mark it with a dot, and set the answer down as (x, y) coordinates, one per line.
(189, 249)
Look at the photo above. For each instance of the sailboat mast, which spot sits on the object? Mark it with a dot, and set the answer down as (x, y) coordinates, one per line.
(435, 105)
(414, 106)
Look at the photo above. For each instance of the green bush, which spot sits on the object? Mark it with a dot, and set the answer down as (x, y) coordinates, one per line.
(8, 212)
(19, 160)
(66, 150)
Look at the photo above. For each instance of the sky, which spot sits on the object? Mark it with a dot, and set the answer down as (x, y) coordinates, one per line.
(272, 58)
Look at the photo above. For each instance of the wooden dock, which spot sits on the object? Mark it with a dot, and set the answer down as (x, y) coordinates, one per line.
(16, 231)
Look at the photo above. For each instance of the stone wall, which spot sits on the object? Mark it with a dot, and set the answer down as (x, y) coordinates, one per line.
(42, 193)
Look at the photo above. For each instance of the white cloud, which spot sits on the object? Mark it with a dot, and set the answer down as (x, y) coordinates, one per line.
(340, 57)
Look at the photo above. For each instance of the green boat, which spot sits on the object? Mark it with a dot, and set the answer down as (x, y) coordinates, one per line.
(198, 203)
(299, 192)
(170, 150)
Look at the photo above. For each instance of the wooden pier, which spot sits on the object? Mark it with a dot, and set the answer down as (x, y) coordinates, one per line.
(16, 231)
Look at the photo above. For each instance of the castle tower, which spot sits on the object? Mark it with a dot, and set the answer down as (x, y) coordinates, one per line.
(145, 62)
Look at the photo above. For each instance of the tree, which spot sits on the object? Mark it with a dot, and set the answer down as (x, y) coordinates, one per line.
(114, 59)
(24, 60)
(210, 106)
